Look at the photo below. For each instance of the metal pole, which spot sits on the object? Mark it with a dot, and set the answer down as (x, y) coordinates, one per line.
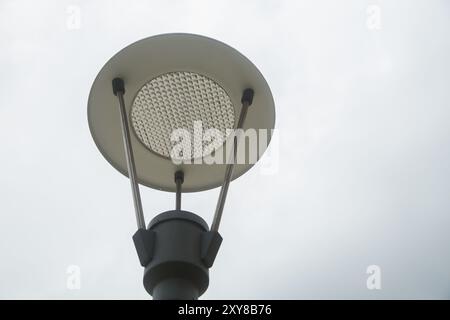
(178, 199)
(247, 99)
(179, 179)
(119, 91)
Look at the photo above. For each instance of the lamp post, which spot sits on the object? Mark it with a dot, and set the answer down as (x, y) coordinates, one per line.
(161, 84)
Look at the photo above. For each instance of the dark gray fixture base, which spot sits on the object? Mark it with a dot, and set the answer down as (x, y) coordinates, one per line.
(177, 250)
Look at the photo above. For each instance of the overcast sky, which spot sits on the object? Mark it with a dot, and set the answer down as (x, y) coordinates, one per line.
(362, 98)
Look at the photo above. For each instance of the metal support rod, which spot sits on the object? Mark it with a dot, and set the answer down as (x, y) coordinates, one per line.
(119, 91)
(247, 99)
(179, 179)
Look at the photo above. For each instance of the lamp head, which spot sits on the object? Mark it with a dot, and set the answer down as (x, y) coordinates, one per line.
(176, 82)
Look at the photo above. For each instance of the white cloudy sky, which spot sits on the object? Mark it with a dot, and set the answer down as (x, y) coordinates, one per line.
(363, 112)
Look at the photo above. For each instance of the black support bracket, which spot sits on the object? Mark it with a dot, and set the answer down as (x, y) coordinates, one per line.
(211, 241)
(144, 241)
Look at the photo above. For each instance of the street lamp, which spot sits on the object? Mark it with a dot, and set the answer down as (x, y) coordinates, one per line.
(163, 84)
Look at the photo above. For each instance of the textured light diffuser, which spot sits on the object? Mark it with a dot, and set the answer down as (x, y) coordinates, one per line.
(176, 100)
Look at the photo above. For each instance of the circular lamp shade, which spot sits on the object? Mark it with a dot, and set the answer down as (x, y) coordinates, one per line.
(178, 81)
